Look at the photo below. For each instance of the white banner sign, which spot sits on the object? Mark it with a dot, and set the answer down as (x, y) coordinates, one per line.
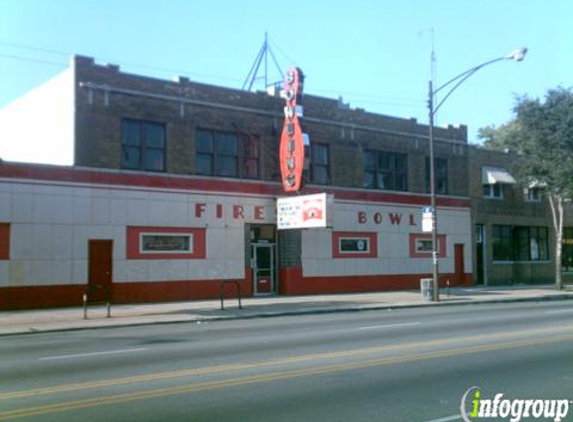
(305, 211)
(427, 219)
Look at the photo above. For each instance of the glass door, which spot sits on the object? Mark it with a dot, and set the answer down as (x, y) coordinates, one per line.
(264, 269)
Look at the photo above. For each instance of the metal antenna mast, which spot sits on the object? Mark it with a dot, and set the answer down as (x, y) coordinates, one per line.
(262, 58)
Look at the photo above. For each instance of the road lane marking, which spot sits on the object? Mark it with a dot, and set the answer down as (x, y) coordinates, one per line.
(380, 327)
(447, 419)
(277, 362)
(559, 311)
(83, 355)
(275, 376)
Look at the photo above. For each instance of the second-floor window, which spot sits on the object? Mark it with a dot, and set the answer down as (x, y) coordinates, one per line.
(143, 145)
(226, 154)
(440, 175)
(385, 170)
(493, 190)
(320, 164)
(532, 194)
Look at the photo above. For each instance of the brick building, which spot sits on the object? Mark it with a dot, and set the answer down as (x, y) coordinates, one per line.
(174, 186)
(513, 229)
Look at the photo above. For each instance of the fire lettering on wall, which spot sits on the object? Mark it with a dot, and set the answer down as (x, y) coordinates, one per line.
(237, 212)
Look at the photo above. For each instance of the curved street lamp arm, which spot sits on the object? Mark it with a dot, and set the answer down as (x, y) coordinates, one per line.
(460, 80)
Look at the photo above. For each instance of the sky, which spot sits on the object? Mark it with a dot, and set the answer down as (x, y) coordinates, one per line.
(376, 54)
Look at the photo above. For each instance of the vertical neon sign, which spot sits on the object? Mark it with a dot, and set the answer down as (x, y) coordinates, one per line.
(291, 147)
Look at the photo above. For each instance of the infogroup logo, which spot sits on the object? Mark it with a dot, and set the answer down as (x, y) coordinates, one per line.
(473, 407)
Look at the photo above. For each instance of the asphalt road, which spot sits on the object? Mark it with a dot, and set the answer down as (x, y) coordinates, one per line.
(403, 365)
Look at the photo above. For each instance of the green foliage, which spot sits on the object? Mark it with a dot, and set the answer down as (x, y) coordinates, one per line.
(498, 138)
(542, 133)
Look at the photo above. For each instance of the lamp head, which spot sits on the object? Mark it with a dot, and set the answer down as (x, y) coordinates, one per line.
(518, 54)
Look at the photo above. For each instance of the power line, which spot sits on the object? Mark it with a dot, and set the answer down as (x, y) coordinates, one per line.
(29, 59)
(360, 97)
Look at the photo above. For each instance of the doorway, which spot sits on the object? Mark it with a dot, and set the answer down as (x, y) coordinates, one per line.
(264, 269)
(459, 262)
(100, 262)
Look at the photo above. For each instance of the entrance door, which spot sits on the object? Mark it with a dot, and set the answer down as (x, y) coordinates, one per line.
(264, 269)
(459, 261)
(99, 269)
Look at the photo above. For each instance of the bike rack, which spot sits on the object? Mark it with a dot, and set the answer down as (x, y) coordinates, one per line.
(107, 301)
(223, 284)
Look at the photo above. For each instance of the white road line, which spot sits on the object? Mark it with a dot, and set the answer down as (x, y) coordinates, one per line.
(446, 419)
(379, 327)
(82, 355)
(559, 311)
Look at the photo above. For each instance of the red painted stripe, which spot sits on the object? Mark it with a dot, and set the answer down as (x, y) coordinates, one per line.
(363, 284)
(163, 181)
(291, 283)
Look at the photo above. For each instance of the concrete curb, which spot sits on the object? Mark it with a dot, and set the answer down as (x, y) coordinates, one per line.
(198, 319)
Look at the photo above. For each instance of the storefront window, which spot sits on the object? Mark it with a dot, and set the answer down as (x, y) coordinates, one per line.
(502, 243)
(520, 243)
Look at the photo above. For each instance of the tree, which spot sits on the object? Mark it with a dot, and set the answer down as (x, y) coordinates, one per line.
(542, 135)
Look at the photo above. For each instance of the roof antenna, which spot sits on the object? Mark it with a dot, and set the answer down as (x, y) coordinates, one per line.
(262, 59)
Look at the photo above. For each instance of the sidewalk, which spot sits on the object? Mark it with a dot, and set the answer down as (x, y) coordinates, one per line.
(62, 319)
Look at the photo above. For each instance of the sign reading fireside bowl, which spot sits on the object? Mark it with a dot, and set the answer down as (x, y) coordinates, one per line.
(292, 141)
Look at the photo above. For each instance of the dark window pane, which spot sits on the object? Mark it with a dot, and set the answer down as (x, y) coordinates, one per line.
(227, 166)
(369, 179)
(320, 154)
(522, 244)
(154, 159)
(441, 186)
(354, 245)
(401, 182)
(131, 132)
(131, 158)
(320, 175)
(204, 141)
(384, 161)
(370, 160)
(226, 143)
(441, 167)
(384, 181)
(401, 163)
(204, 164)
(155, 135)
(502, 243)
(165, 243)
(543, 244)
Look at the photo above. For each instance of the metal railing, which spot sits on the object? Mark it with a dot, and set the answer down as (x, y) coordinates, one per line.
(86, 298)
(222, 291)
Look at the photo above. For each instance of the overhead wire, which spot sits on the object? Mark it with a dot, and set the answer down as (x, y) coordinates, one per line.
(366, 98)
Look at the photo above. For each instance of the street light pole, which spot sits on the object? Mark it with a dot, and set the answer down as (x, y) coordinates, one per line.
(517, 55)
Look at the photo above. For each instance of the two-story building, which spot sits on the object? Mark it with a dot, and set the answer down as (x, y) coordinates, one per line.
(174, 185)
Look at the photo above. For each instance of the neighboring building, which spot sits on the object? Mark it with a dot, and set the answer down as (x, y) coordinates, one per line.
(513, 226)
(174, 188)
